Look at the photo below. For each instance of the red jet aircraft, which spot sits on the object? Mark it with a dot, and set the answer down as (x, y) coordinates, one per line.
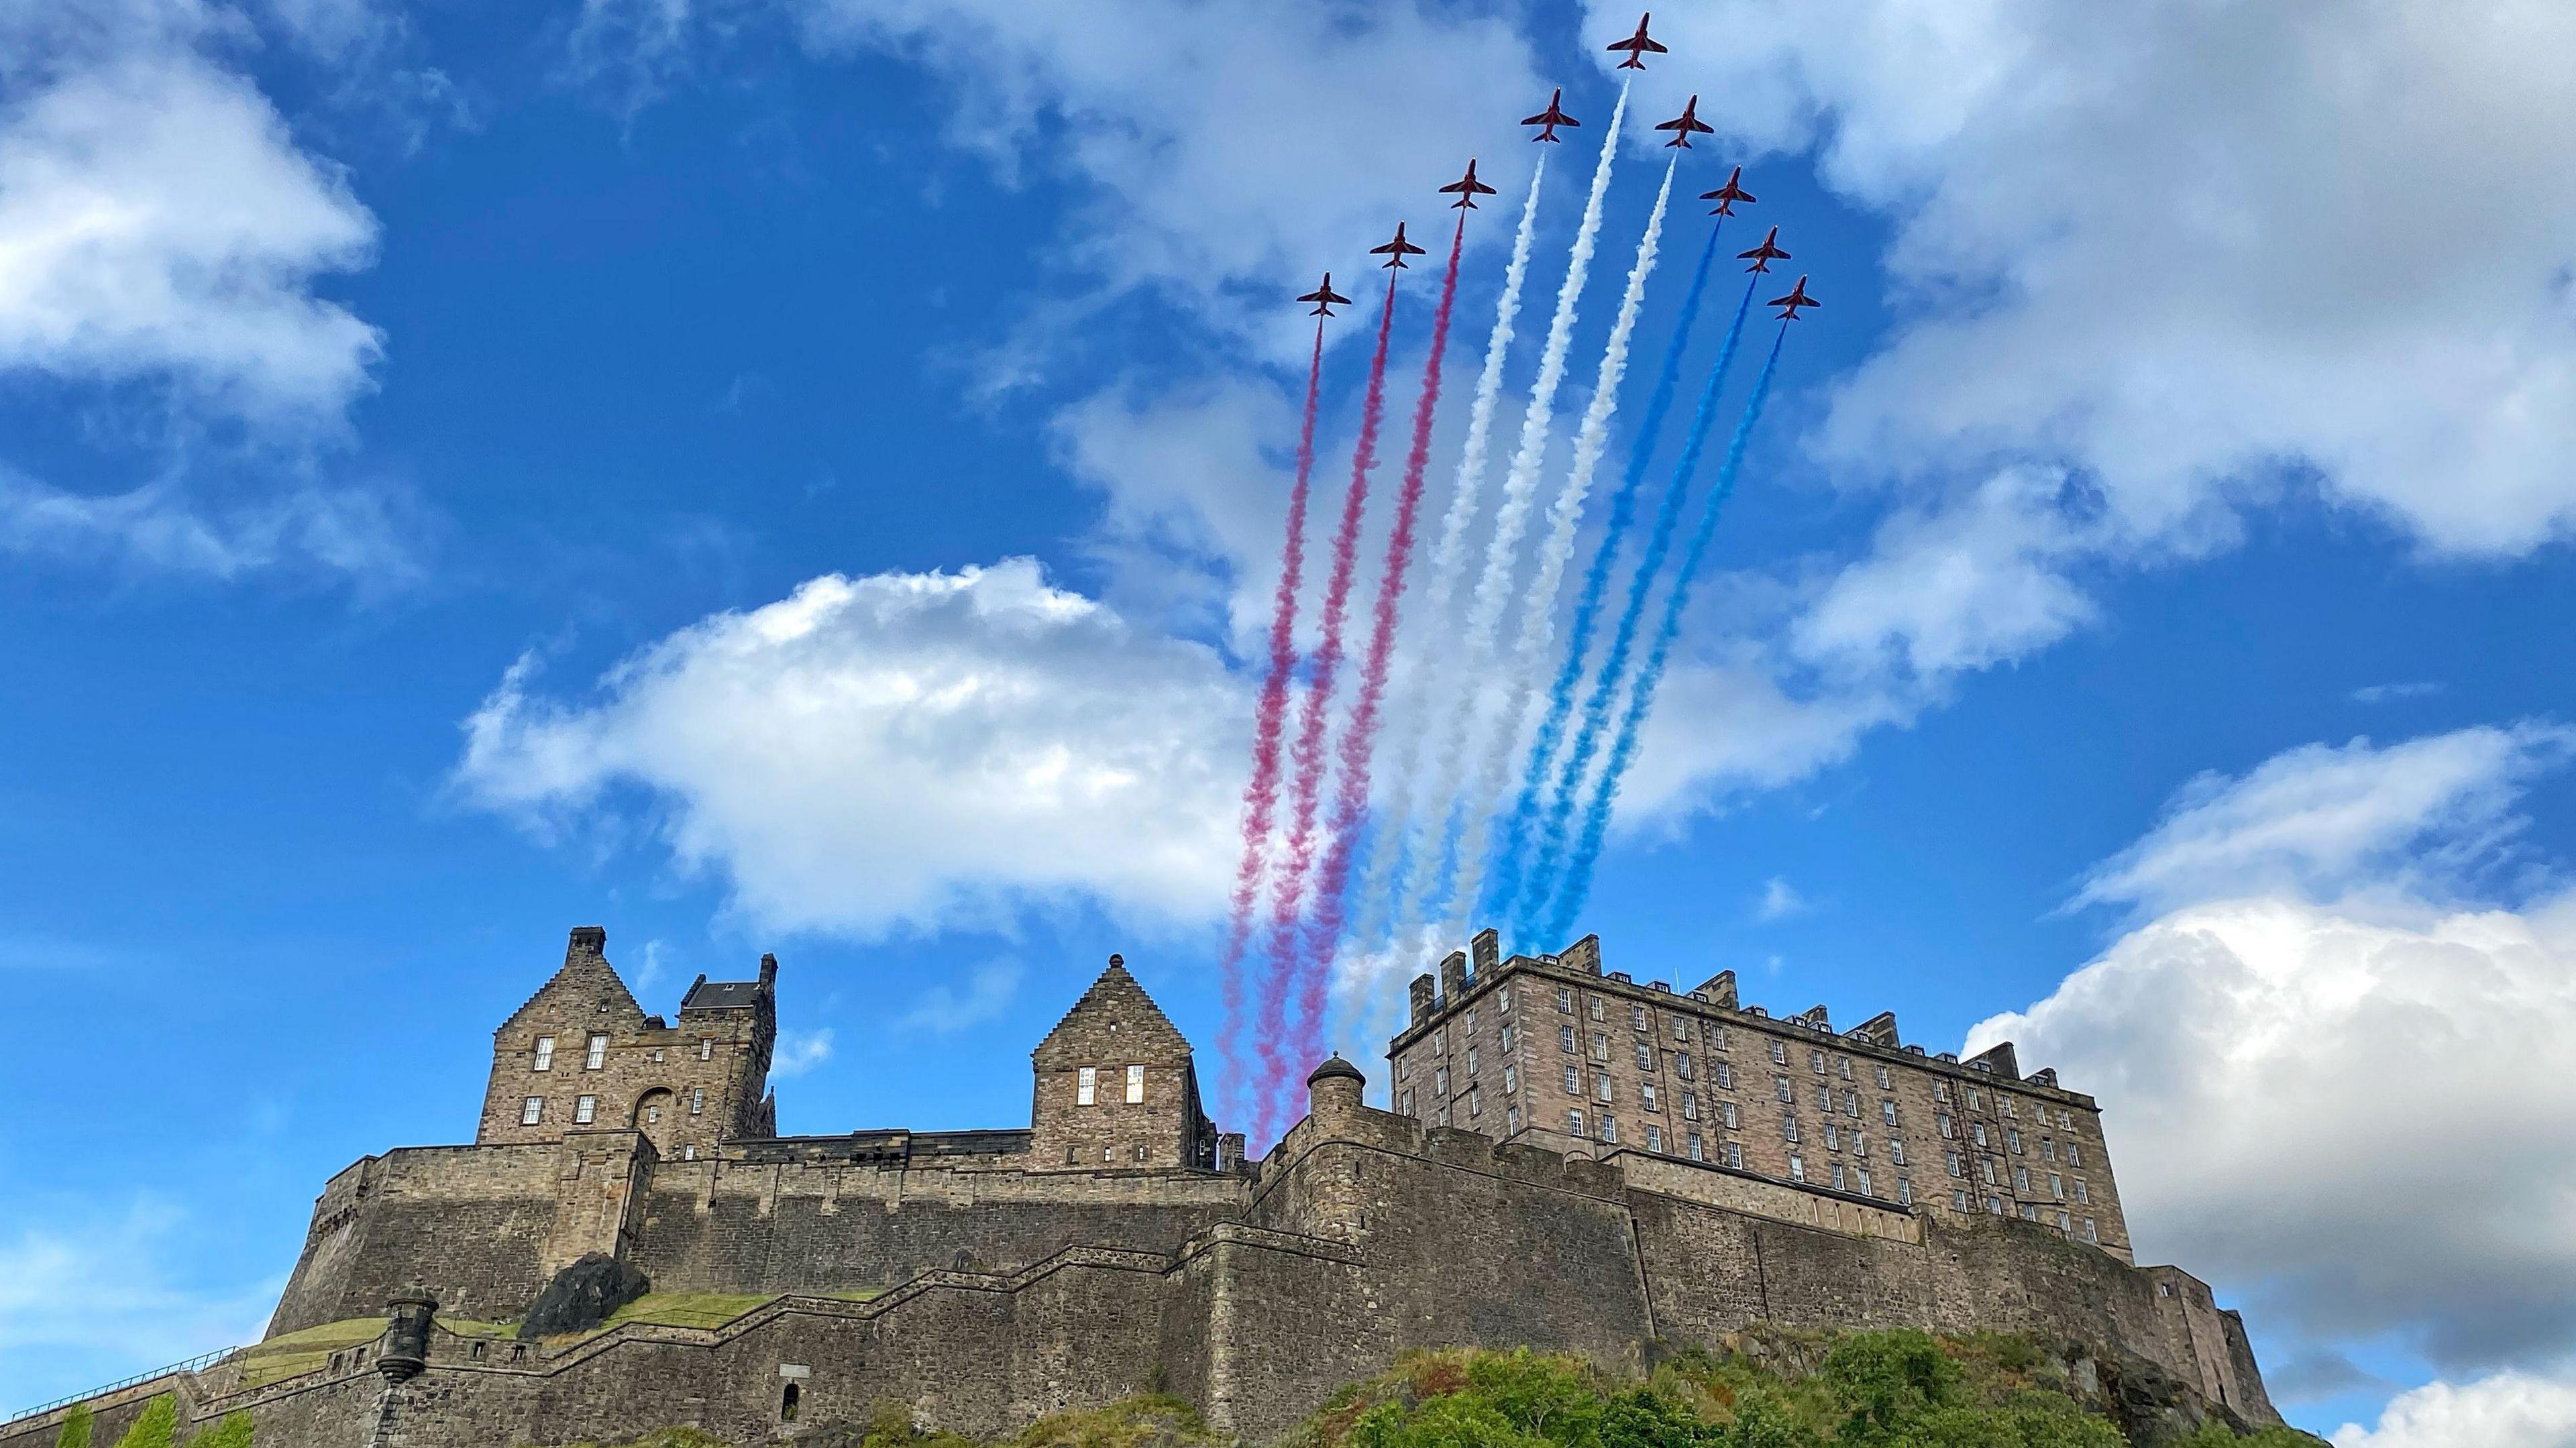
(1727, 195)
(1637, 46)
(1685, 125)
(1790, 304)
(1551, 118)
(1762, 256)
(1325, 298)
(1467, 189)
(1397, 250)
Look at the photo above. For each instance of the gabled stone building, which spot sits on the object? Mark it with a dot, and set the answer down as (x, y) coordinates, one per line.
(1119, 1242)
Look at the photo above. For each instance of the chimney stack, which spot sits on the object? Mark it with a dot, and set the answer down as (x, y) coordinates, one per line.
(1421, 998)
(589, 940)
(1453, 978)
(1488, 946)
(768, 972)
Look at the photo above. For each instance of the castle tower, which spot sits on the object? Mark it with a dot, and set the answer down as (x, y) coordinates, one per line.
(581, 1055)
(1115, 1086)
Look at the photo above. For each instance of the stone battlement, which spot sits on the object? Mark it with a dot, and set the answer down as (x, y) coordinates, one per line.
(988, 1277)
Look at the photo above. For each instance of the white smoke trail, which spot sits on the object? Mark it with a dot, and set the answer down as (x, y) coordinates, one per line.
(1474, 654)
(1390, 862)
(1520, 678)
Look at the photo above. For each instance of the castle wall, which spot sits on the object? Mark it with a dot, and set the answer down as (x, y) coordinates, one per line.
(729, 1226)
(470, 1223)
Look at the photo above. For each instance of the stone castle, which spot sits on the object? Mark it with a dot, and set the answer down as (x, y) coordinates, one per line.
(1575, 1162)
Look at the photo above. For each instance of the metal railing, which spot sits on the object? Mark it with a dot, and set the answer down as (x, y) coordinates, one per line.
(201, 1360)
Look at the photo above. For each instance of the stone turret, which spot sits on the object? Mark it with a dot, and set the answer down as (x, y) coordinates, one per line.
(1333, 1092)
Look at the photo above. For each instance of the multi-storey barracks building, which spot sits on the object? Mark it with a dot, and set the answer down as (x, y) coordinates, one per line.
(1575, 1162)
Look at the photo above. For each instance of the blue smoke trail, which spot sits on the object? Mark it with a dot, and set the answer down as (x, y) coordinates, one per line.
(1623, 636)
(1623, 751)
(1504, 886)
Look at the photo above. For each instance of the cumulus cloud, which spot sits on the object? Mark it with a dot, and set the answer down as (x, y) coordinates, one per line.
(1780, 900)
(899, 750)
(2116, 246)
(2326, 819)
(2352, 1107)
(97, 1296)
(160, 224)
(800, 1051)
(2519, 1409)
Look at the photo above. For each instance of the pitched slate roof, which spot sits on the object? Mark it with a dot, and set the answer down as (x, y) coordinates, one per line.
(715, 995)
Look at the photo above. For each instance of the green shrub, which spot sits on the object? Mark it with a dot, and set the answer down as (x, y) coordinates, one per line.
(233, 1432)
(156, 1427)
(76, 1427)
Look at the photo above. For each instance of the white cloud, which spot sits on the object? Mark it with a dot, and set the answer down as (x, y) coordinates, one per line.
(2182, 248)
(2325, 819)
(800, 1051)
(159, 528)
(157, 222)
(2509, 1410)
(1780, 900)
(944, 1009)
(100, 1297)
(2354, 1110)
(2391, 693)
(900, 750)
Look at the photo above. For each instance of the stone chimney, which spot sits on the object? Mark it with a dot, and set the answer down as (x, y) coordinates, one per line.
(1422, 998)
(1453, 978)
(1584, 955)
(768, 973)
(1488, 947)
(587, 940)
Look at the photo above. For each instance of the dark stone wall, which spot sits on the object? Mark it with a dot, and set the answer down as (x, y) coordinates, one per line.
(468, 1223)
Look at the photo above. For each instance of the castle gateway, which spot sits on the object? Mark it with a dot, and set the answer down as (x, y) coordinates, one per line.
(1575, 1162)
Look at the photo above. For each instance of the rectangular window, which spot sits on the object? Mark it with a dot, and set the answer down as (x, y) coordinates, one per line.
(1949, 1129)
(1086, 1086)
(1681, 1029)
(1511, 1078)
(531, 1110)
(1779, 1053)
(1573, 1080)
(697, 1101)
(1690, 1106)
(1725, 1077)
(1405, 1103)
(1825, 1099)
(1471, 1060)
(1986, 1164)
(2073, 1156)
(1565, 1000)
(2089, 1235)
(2021, 1179)
(1654, 1137)
(1594, 1002)
(1833, 1137)
(1600, 1047)
(1954, 1165)
(583, 1109)
(1471, 1020)
(2006, 1103)
(598, 1054)
(1646, 1096)
(2047, 1149)
(2012, 1139)
(1609, 1128)
(545, 1054)
(2065, 1122)
(1512, 1120)
(1995, 1206)
(2029, 1213)
(1904, 1192)
(2057, 1186)
(1816, 1061)
(1475, 1102)
(1565, 1039)
(1645, 1057)
(1601, 1087)
(1503, 1000)
(1788, 1128)
(1976, 1099)
(1977, 1131)
(1780, 1088)
(1698, 1148)
(1887, 1113)
(706, 1048)
(2081, 1194)
(1860, 1143)
(1882, 1078)
(1439, 1038)
(1637, 1017)
(1842, 1067)
(1838, 1176)
(1135, 1084)
(1717, 1038)
(2064, 1222)
(1507, 1040)
(1727, 1110)
(1896, 1150)
(1941, 1092)
(1682, 1064)
(1959, 1202)
(1797, 1167)
(1440, 1081)
(1735, 1155)
(1574, 1120)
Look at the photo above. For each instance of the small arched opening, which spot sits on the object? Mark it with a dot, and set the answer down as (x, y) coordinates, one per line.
(652, 1109)
(788, 1401)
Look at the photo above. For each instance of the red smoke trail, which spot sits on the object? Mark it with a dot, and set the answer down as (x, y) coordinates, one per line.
(1351, 792)
(1288, 893)
(1261, 792)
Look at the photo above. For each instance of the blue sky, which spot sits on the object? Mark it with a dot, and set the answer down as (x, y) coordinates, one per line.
(462, 478)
